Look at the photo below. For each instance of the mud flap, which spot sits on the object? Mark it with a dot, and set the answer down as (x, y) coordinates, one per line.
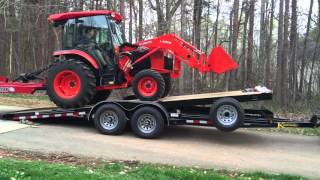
(220, 61)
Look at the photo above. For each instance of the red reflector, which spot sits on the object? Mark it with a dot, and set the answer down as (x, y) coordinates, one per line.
(220, 62)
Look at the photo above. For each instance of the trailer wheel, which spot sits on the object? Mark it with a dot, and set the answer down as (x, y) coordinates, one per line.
(110, 119)
(227, 114)
(71, 84)
(168, 84)
(147, 122)
(148, 85)
(100, 96)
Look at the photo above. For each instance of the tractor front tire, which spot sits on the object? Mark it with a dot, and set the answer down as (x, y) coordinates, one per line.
(148, 85)
(71, 84)
(168, 83)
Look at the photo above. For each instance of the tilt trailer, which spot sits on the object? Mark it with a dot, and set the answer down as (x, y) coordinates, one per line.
(148, 119)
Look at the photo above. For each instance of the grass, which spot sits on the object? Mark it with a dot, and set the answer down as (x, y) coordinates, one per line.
(26, 96)
(32, 101)
(17, 169)
(300, 131)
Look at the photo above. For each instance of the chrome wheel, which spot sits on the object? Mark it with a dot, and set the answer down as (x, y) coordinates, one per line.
(227, 115)
(109, 120)
(146, 123)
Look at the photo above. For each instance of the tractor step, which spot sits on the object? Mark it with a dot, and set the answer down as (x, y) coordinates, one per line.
(107, 79)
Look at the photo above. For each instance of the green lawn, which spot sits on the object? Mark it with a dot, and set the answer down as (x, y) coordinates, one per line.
(17, 169)
(300, 131)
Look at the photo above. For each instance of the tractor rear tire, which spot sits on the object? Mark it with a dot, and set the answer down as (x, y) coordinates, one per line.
(148, 85)
(100, 96)
(71, 84)
(168, 83)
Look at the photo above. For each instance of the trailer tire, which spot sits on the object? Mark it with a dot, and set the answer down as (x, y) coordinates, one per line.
(110, 119)
(227, 114)
(71, 84)
(168, 85)
(147, 122)
(100, 96)
(148, 85)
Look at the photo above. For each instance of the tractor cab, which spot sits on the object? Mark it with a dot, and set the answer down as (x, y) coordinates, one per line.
(92, 34)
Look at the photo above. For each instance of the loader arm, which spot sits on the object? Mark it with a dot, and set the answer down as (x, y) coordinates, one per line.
(218, 61)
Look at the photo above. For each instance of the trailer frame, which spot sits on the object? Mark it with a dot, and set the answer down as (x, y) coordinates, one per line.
(195, 110)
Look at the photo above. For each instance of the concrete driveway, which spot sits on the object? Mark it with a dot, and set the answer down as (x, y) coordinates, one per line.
(185, 146)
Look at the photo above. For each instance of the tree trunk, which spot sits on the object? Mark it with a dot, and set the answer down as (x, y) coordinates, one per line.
(304, 58)
(140, 32)
(315, 55)
(293, 50)
(263, 34)
(235, 35)
(269, 48)
(131, 4)
(216, 24)
(250, 44)
(279, 50)
(197, 23)
(244, 46)
(284, 74)
(123, 14)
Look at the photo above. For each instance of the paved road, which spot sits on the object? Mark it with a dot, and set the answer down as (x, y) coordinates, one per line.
(187, 146)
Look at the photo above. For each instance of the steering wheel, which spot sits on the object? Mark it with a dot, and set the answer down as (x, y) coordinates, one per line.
(104, 47)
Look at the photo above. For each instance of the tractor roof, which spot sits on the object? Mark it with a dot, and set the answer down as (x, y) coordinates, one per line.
(72, 15)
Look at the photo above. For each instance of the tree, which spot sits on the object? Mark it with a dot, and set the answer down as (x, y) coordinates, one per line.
(250, 43)
(269, 47)
(280, 49)
(315, 55)
(263, 35)
(246, 6)
(197, 23)
(293, 51)
(304, 58)
(140, 30)
(284, 59)
(123, 13)
(164, 19)
(235, 35)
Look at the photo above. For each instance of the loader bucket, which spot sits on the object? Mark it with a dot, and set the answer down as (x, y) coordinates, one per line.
(220, 61)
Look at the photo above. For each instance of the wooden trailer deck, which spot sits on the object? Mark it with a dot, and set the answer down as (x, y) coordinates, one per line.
(208, 98)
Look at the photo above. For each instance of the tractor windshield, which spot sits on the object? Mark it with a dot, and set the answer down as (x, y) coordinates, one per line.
(85, 30)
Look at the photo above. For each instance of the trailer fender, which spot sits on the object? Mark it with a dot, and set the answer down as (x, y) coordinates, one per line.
(130, 107)
(88, 58)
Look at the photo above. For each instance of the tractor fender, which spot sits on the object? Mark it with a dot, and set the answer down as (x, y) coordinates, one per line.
(80, 53)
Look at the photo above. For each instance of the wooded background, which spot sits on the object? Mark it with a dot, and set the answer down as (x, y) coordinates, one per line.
(275, 42)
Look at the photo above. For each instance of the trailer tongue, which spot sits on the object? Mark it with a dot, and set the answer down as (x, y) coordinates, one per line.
(148, 119)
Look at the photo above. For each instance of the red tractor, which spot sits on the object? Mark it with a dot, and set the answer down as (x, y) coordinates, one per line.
(95, 60)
